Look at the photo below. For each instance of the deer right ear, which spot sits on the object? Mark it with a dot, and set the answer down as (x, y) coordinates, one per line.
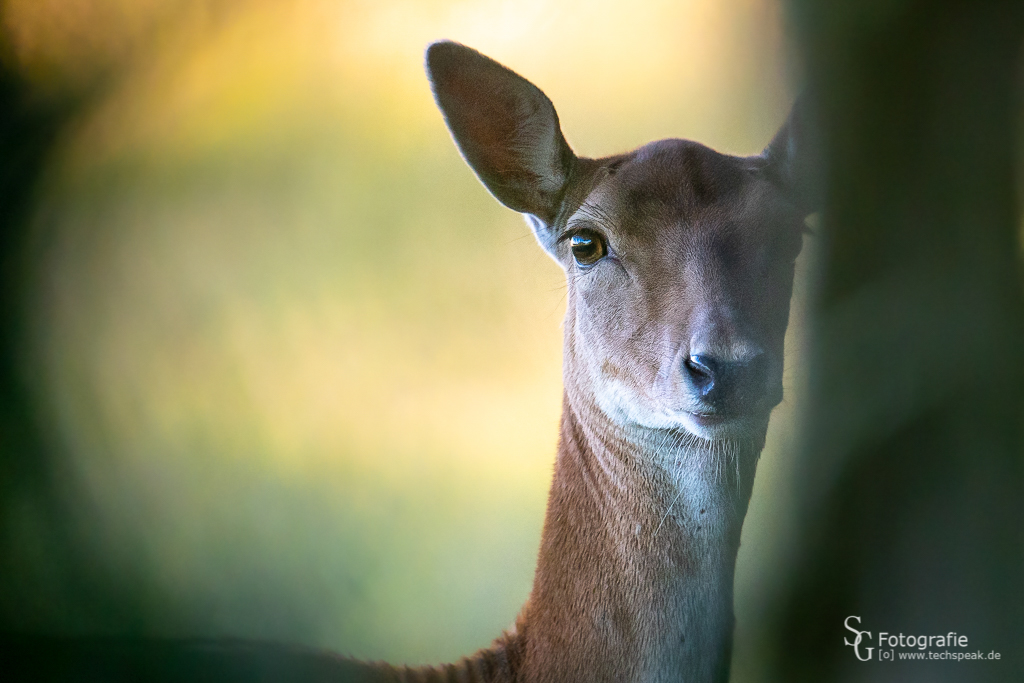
(506, 129)
(793, 158)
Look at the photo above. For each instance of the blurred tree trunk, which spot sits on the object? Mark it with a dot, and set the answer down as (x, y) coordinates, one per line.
(29, 127)
(912, 462)
(50, 580)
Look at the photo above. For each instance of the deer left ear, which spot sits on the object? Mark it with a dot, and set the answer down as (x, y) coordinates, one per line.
(506, 129)
(793, 159)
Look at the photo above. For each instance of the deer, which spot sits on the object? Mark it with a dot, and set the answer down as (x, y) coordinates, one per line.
(679, 264)
(679, 267)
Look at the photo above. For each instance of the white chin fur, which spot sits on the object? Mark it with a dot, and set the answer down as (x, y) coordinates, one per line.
(620, 404)
(728, 429)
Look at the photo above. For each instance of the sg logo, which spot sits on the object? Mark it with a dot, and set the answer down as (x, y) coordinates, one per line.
(856, 641)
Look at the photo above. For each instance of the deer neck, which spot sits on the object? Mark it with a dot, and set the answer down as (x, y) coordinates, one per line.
(635, 571)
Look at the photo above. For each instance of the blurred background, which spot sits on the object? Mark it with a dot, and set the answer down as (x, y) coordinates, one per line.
(298, 373)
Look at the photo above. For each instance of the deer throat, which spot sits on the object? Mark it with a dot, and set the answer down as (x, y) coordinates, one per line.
(634, 580)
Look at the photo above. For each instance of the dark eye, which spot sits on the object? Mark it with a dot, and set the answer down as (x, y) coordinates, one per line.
(587, 247)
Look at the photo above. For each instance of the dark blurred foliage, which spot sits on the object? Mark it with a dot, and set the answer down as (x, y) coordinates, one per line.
(35, 489)
(911, 475)
(29, 126)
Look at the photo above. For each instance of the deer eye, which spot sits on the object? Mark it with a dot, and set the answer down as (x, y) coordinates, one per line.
(587, 247)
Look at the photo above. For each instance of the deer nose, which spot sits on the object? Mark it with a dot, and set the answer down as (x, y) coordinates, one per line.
(728, 386)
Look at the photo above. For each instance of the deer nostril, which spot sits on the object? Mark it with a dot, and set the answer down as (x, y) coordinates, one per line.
(727, 385)
(701, 370)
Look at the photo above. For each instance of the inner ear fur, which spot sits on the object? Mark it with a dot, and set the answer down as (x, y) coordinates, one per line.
(505, 127)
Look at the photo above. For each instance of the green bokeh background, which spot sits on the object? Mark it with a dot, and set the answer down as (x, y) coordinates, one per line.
(302, 371)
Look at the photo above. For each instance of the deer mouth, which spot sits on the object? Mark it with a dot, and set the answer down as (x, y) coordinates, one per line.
(717, 426)
(711, 419)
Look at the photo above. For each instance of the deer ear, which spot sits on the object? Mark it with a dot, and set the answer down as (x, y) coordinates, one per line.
(793, 158)
(505, 127)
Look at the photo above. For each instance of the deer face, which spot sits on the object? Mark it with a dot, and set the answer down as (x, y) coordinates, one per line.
(679, 263)
(678, 259)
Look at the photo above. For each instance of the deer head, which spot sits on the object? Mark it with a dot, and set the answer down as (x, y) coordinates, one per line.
(679, 260)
